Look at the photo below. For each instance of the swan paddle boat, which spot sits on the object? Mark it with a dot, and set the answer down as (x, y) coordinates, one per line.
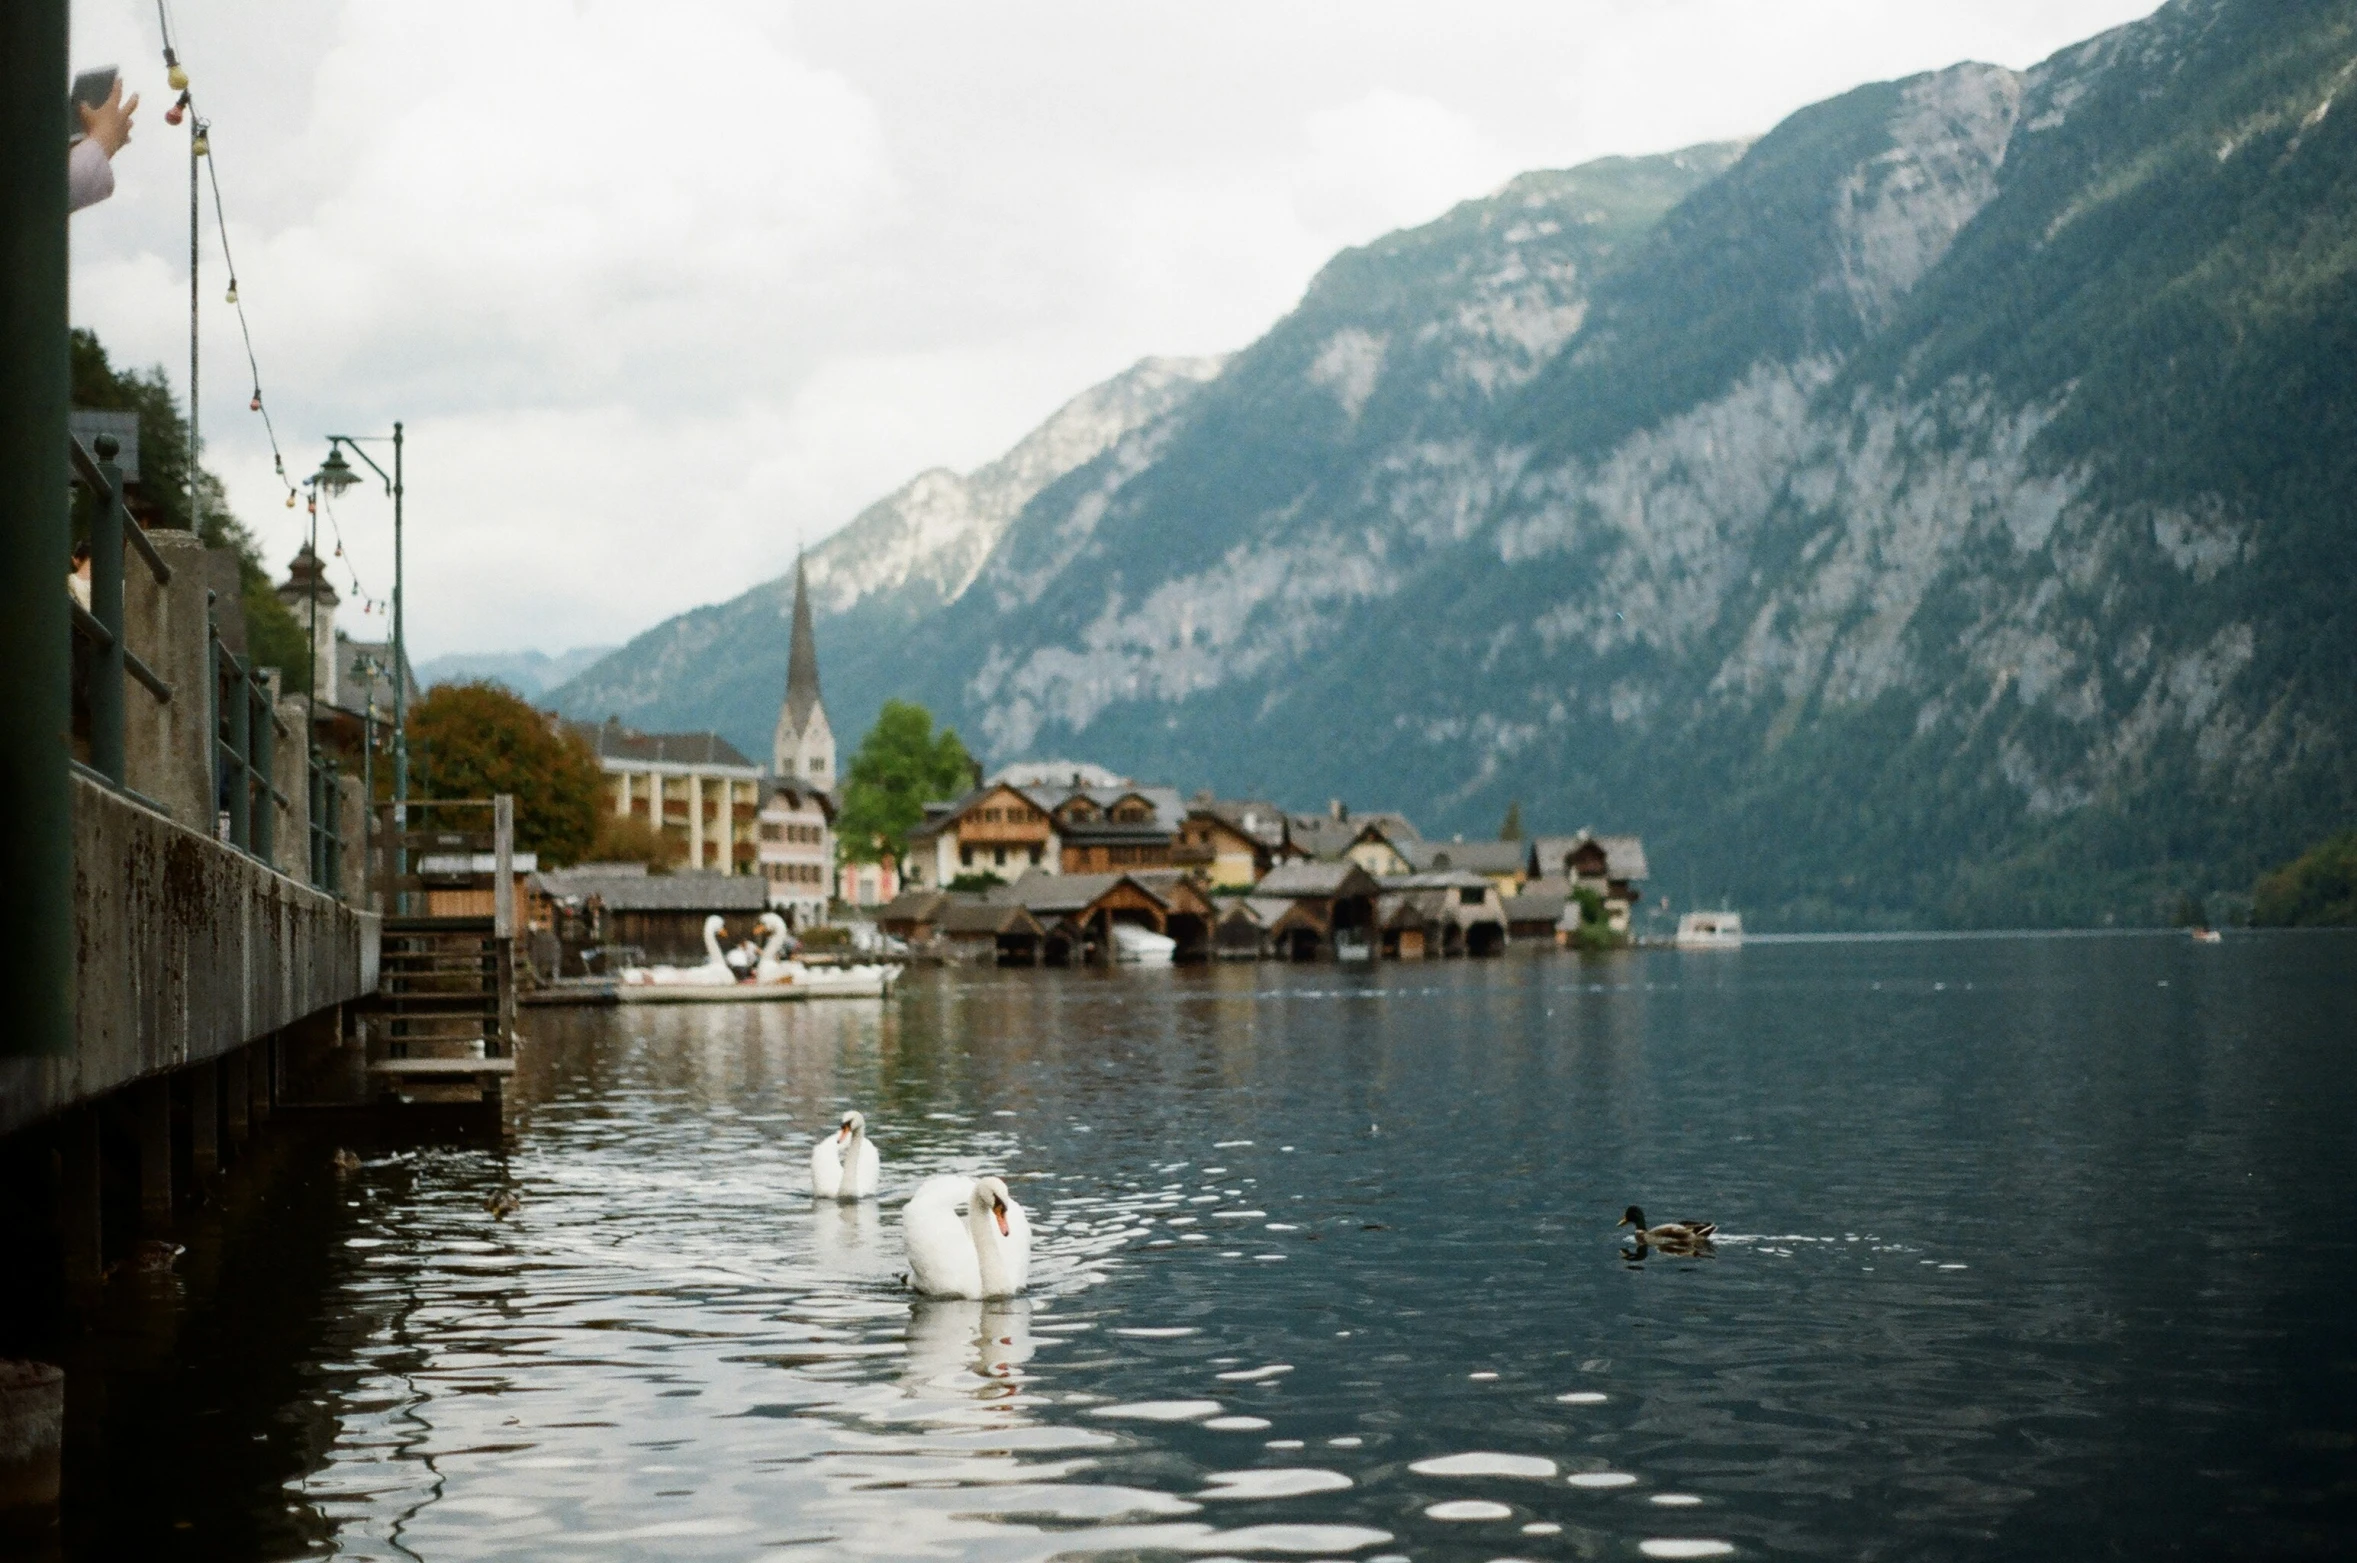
(775, 977)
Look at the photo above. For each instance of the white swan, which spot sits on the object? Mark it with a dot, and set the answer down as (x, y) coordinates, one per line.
(714, 969)
(985, 1253)
(828, 1180)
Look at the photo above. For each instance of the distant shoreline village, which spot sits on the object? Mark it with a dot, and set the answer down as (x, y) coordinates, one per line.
(1046, 862)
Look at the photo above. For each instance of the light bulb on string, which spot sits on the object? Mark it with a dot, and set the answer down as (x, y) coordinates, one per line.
(201, 145)
(256, 404)
(177, 112)
(230, 298)
(172, 71)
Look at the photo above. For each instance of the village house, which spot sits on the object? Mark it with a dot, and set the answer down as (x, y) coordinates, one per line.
(1003, 830)
(1078, 912)
(1441, 912)
(1504, 864)
(1232, 845)
(1613, 867)
(1330, 909)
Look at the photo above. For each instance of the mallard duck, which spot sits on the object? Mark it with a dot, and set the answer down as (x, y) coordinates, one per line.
(503, 1204)
(347, 1161)
(1670, 1234)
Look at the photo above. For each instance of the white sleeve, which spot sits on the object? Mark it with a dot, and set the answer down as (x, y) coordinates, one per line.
(90, 178)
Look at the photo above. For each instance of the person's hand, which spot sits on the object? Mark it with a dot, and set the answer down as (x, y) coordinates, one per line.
(109, 124)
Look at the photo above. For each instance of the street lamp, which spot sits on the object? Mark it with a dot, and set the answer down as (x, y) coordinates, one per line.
(336, 475)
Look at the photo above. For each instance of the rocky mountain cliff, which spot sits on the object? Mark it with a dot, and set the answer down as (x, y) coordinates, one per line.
(1935, 511)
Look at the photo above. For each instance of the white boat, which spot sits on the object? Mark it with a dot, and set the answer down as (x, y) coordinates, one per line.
(1142, 946)
(1710, 931)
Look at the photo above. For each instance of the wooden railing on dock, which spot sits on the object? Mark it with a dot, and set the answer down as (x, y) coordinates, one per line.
(444, 872)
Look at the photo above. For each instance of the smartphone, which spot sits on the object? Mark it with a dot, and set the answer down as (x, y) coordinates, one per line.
(90, 90)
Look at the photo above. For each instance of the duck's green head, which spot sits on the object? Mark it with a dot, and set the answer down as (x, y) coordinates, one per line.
(1634, 1218)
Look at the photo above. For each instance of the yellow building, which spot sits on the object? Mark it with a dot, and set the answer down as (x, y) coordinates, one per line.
(694, 787)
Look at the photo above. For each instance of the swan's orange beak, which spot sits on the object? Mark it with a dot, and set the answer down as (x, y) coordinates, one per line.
(843, 1134)
(1000, 1211)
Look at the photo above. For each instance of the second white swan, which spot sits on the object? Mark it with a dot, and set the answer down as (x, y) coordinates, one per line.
(984, 1253)
(844, 1165)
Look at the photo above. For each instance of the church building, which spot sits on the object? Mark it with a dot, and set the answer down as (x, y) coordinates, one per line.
(797, 839)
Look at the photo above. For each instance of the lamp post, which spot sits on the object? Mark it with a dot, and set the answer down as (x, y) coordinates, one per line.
(336, 475)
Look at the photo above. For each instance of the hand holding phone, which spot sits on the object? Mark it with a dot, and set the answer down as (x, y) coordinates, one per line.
(101, 113)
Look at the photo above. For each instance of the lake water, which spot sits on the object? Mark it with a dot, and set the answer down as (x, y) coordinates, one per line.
(2031, 1248)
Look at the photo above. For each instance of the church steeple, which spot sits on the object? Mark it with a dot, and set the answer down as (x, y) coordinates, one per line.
(804, 748)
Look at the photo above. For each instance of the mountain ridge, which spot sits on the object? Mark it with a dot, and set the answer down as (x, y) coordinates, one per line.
(1929, 512)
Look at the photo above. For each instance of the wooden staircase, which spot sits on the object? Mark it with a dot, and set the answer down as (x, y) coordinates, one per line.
(444, 1029)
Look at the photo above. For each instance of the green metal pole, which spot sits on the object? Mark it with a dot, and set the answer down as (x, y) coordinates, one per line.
(36, 807)
(400, 643)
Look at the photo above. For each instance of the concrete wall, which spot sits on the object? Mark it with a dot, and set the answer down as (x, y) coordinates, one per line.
(184, 951)
(165, 747)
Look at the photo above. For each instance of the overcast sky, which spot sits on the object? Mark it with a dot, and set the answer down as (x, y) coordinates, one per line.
(659, 288)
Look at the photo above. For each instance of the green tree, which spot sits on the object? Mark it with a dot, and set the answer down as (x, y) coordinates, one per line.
(902, 765)
(474, 740)
(1511, 829)
(2316, 889)
(274, 638)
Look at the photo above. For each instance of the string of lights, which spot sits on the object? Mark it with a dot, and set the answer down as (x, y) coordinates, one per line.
(201, 145)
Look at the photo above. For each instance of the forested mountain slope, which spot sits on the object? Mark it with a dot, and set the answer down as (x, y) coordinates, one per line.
(1937, 513)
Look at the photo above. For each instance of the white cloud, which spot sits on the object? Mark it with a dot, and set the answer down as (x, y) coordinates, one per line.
(657, 287)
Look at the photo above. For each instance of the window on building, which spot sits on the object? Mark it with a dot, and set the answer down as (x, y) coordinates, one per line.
(1471, 897)
(966, 856)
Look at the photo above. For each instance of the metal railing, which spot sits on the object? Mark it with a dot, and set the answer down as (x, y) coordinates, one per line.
(100, 625)
(246, 730)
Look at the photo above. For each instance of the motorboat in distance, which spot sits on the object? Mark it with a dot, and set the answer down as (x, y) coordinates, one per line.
(1710, 931)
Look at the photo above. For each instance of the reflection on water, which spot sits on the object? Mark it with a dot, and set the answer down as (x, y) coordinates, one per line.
(2028, 1248)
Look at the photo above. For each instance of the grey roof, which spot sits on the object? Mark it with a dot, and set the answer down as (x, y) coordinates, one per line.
(797, 792)
(1322, 835)
(643, 892)
(1057, 893)
(447, 864)
(1411, 908)
(1437, 879)
(1327, 877)
(801, 659)
(912, 906)
(1546, 854)
(1263, 822)
(356, 685)
(1262, 909)
(1541, 901)
(613, 741)
(1482, 857)
(1624, 856)
(976, 915)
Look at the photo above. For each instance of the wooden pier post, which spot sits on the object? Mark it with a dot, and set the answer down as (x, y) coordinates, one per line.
(151, 1107)
(204, 1118)
(78, 1207)
(259, 1060)
(235, 1095)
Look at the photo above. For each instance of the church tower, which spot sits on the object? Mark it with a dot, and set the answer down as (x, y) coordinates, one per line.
(804, 748)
